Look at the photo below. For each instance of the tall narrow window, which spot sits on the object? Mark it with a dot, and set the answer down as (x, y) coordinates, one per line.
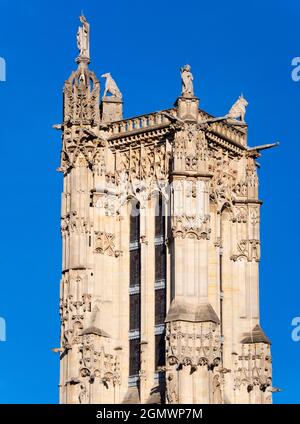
(134, 294)
(160, 283)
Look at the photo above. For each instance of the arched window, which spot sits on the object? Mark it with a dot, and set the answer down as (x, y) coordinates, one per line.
(134, 293)
(160, 281)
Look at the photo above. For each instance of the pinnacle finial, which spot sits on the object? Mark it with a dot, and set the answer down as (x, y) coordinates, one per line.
(83, 40)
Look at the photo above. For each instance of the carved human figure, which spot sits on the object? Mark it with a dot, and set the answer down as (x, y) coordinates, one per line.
(83, 38)
(238, 110)
(217, 395)
(111, 86)
(83, 394)
(172, 390)
(187, 81)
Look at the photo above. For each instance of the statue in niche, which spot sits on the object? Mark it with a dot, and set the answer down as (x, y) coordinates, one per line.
(238, 110)
(111, 87)
(83, 38)
(187, 81)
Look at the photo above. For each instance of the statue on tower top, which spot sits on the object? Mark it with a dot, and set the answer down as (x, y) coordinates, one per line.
(238, 110)
(83, 38)
(187, 81)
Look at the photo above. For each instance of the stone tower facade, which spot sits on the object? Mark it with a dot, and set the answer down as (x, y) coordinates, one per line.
(160, 229)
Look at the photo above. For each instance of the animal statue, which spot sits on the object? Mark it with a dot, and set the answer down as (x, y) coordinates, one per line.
(238, 110)
(111, 86)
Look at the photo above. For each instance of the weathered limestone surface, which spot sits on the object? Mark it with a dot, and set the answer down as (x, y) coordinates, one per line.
(215, 349)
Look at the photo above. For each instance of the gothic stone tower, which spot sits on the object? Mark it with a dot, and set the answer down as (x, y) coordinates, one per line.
(160, 229)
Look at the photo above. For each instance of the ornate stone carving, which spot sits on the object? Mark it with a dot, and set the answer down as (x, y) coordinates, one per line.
(248, 249)
(111, 86)
(254, 222)
(99, 166)
(240, 214)
(83, 396)
(223, 180)
(81, 145)
(191, 227)
(252, 180)
(187, 81)
(142, 171)
(217, 391)
(191, 347)
(72, 223)
(72, 314)
(105, 244)
(238, 110)
(81, 97)
(172, 389)
(240, 189)
(253, 367)
(193, 344)
(97, 363)
(191, 151)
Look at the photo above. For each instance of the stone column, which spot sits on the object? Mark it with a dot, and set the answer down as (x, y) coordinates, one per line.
(190, 314)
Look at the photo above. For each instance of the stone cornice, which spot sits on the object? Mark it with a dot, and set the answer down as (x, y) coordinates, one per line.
(248, 201)
(228, 144)
(149, 127)
(139, 135)
(191, 174)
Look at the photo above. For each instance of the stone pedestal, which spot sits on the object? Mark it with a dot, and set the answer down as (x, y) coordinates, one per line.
(111, 109)
(187, 108)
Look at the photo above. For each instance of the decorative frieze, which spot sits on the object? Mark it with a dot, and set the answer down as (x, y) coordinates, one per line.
(105, 244)
(253, 368)
(223, 180)
(247, 249)
(193, 344)
(72, 223)
(191, 227)
(240, 214)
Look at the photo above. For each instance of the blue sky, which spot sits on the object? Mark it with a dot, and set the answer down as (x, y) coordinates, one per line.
(232, 48)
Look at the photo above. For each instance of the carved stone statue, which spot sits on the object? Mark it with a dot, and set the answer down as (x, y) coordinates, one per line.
(187, 81)
(111, 86)
(83, 38)
(83, 395)
(217, 395)
(172, 390)
(238, 110)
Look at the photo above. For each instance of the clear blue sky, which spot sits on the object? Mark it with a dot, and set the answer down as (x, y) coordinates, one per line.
(232, 48)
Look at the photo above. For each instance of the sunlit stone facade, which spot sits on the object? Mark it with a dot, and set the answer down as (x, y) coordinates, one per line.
(160, 228)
